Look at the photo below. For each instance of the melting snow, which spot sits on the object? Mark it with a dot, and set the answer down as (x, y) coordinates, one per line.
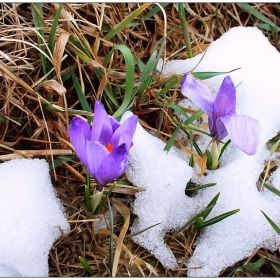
(31, 218)
(164, 176)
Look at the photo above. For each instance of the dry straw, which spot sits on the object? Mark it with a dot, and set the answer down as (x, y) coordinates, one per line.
(38, 99)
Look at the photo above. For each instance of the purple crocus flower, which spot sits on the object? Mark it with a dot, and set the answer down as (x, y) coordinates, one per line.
(243, 131)
(104, 147)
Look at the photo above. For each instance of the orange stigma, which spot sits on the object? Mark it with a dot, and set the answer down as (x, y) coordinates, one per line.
(109, 147)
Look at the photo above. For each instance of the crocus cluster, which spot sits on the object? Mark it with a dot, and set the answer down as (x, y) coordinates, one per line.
(104, 146)
(223, 120)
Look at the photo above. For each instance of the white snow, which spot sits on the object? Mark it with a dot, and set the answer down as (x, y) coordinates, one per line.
(164, 176)
(31, 218)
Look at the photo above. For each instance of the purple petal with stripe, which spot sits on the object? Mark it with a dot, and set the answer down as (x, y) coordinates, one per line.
(79, 133)
(113, 165)
(243, 131)
(198, 92)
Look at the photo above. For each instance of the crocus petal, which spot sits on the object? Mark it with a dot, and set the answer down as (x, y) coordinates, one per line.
(114, 123)
(225, 102)
(125, 133)
(113, 165)
(219, 129)
(243, 131)
(198, 92)
(101, 129)
(96, 154)
(79, 131)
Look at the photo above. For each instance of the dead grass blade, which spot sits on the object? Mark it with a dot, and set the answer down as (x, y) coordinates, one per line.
(33, 153)
(200, 161)
(59, 49)
(125, 212)
(5, 69)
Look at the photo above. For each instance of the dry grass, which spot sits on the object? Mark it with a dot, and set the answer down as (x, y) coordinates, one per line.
(34, 116)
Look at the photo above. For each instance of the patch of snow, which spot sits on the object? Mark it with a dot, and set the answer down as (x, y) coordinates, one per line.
(164, 176)
(31, 218)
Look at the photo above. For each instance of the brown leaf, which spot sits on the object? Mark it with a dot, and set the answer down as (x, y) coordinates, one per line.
(58, 53)
(53, 87)
(200, 161)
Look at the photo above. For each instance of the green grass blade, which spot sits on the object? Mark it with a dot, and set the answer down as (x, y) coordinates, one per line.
(254, 266)
(224, 148)
(193, 189)
(37, 14)
(172, 82)
(126, 21)
(160, 41)
(266, 26)
(198, 224)
(54, 27)
(212, 203)
(184, 25)
(179, 109)
(170, 142)
(141, 231)
(275, 265)
(274, 147)
(108, 92)
(161, 117)
(80, 93)
(238, 269)
(83, 48)
(84, 57)
(208, 75)
(129, 81)
(194, 128)
(275, 227)
(155, 10)
(257, 14)
(36, 11)
(141, 64)
(58, 162)
(219, 218)
(194, 142)
(209, 159)
(149, 69)
(218, 21)
(194, 117)
(248, 267)
(88, 199)
(270, 188)
(191, 162)
(193, 220)
(86, 265)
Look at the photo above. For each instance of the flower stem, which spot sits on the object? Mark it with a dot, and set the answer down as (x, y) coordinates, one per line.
(87, 192)
(99, 187)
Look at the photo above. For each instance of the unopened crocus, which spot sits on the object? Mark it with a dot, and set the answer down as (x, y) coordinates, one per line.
(104, 146)
(223, 120)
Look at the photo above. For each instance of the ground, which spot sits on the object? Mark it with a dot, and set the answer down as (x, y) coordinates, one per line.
(57, 60)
